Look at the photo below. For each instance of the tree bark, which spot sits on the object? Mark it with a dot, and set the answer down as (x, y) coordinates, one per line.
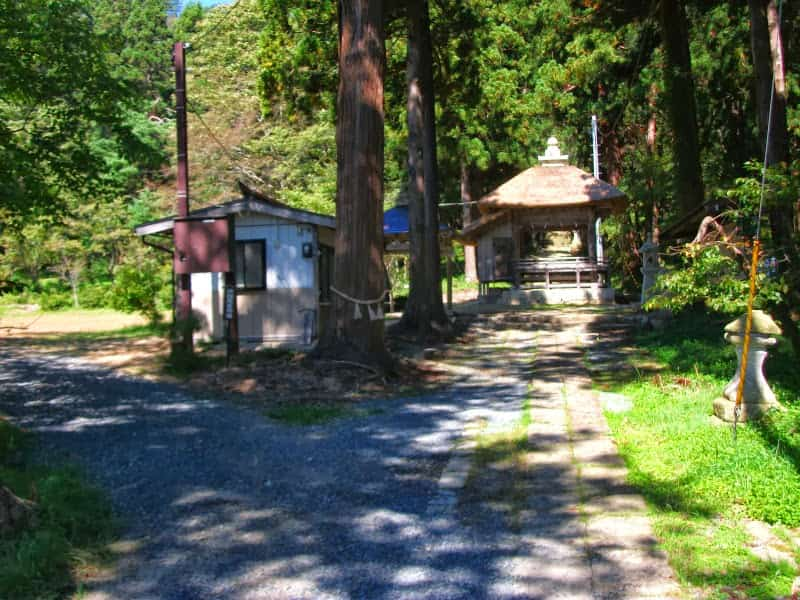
(424, 310)
(612, 154)
(467, 214)
(682, 107)
(767, 48)
(358, 263)
(655, 210)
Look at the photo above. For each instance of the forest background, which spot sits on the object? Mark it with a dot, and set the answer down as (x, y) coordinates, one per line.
(87, 125)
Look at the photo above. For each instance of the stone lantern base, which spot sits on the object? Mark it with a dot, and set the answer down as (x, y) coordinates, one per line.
(723, 409)
(757, 397)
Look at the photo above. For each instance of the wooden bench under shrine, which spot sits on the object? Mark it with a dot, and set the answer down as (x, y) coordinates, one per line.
(573, 270)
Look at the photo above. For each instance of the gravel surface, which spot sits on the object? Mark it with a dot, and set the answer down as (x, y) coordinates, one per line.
(220, 502)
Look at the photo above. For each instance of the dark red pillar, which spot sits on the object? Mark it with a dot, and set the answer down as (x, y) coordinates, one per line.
(183, 283)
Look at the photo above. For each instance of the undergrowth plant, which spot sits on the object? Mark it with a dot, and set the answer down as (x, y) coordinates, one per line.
(72, 524)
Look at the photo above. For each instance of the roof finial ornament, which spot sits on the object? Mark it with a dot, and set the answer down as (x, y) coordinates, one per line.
(552, 156)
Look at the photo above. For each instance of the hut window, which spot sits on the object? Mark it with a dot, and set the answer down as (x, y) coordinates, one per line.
(251, 272)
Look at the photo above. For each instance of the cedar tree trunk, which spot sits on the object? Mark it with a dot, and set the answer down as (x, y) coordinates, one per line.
(655, 226)
(767, 48)
(424, 310)
(682, 107)
(358, 265)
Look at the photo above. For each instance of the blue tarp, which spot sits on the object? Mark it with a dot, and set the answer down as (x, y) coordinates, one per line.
(395, 221)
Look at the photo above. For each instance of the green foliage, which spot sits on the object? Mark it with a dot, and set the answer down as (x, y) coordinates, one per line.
(55, 301)
(188, 21)
(12, 441)
(73, 521)
(136, 289)
(301, 163)
(141, 44)
(703, 275)
(59, 92)
(95, 295)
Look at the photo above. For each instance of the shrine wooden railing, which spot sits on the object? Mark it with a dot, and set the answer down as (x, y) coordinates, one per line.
(570, 270)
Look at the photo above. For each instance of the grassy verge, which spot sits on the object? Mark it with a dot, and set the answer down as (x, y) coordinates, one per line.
(702, 486)
(73, 523)
(125, 333)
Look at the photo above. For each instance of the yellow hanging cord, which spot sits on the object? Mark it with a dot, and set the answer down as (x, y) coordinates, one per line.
(737, 409)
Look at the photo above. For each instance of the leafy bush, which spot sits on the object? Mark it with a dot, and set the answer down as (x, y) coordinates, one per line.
(708, 275)
(136, 289)
(95, 295)
(55, 300)
(50, 285)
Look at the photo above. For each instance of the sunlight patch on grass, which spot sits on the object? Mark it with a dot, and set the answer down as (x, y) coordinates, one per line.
(700, 484)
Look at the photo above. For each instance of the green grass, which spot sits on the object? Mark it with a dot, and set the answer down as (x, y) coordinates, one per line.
(698, 482)
(125, 333)
(73, 524)
(316, 414)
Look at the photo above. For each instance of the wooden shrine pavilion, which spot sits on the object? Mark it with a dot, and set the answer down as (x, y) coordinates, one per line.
(540, 231)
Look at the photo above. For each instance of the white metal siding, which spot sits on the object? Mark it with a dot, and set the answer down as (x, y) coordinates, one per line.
(277, 314)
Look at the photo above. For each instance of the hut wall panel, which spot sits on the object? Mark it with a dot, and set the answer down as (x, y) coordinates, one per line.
(278, 313)
(207, 305)
(485, 254)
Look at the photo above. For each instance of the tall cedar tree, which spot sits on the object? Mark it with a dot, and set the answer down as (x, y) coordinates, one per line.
(682, 107)
(358, 269)
(768, 63)
(424, 311)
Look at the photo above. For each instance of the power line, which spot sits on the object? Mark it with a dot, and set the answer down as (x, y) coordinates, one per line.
(216, 25)
(234, 165)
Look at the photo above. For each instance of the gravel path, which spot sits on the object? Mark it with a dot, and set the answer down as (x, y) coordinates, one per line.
(220, 502)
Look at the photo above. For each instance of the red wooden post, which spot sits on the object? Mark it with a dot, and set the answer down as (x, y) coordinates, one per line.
(231, 312)
(183, 283)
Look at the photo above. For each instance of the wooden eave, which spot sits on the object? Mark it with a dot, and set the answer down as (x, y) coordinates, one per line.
(243, 205)
(470, 233)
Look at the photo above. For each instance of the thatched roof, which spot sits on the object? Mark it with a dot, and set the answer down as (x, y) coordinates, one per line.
(552, 185)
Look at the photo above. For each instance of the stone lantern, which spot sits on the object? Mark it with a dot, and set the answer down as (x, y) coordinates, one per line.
(650, 267)
(757, 397)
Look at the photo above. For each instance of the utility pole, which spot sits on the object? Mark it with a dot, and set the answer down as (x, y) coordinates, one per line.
(183, 282)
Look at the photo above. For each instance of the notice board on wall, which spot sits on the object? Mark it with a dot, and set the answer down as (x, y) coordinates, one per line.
(202, 245)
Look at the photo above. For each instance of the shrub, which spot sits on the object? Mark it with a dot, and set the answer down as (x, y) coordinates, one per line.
(55, 300)
(707, 275)
(95, 295)
(136, 288)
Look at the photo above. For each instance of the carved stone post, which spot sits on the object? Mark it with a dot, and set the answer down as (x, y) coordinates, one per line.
(758, 397)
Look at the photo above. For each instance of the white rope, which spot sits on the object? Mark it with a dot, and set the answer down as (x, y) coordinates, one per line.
(374, 315)
(356, 300)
